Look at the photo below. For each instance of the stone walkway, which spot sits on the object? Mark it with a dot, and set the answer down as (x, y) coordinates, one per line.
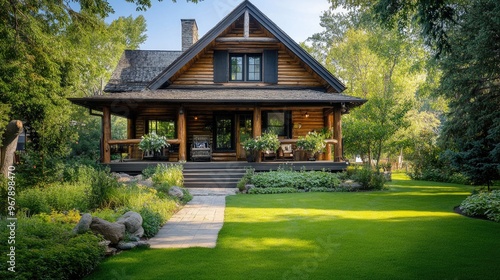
(197, 224)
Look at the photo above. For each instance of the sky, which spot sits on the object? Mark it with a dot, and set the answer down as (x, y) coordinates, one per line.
(298, 18)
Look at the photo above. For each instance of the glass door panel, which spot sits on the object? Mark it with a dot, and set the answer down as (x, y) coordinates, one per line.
(224, 133)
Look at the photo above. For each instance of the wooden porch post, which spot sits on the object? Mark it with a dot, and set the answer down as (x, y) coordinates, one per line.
(257, 122)
(337, 133)
(257, 126)
(106, 134)
(181, 133)
(329, 126)
(130, 134)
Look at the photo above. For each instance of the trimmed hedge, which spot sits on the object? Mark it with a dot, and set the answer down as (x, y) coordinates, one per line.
(296, 180)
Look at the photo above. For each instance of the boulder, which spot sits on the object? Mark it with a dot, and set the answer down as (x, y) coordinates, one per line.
(142, 244)
(147, 183)
(176, 192)
(138, 177)
(84, 224)
(133, 223)
(126, 245)
(113, 232)
(133, 244)
(249, 187)
(124, 179)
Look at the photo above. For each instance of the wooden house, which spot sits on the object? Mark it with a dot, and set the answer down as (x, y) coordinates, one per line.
(244, 77)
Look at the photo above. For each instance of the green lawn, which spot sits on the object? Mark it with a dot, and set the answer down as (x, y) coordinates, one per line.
(407, 232)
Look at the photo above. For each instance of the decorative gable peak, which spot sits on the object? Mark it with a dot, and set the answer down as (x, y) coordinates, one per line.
(164, 79)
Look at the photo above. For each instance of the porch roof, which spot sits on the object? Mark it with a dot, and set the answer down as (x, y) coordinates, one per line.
(221, 96)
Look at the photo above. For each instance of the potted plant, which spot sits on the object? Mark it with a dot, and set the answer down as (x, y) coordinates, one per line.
(268, 142)
(153, 143)
(312, 143)
(251, 147)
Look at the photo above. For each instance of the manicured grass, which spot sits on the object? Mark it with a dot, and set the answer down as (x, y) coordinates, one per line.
(407, 232)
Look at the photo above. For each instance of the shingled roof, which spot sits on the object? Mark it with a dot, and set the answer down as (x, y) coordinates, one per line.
(239, 96)
(137, 68)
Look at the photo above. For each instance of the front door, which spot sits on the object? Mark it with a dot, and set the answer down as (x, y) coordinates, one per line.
(230, 131)
(224, 133)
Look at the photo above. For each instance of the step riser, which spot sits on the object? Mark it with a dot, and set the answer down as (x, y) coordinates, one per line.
(218, 176)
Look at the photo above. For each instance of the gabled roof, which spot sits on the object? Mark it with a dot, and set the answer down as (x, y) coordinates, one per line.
(188, 55)
(137, 68)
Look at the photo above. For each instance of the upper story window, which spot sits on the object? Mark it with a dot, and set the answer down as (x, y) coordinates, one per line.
(245, 67)
(250, 67)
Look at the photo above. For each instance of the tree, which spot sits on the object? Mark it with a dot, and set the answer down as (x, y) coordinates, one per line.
(471, 79)
(378, 65)
(435, 18)
(464, 36)
(50, 52)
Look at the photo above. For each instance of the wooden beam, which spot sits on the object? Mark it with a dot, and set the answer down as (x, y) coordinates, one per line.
(246, 28)
(329, 125)
(137, 141)
(181, 134)
(106, 134)
(246, 40)
(337, 133)
(130, 133)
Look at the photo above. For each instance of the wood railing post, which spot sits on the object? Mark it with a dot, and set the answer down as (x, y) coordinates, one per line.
(106, 134)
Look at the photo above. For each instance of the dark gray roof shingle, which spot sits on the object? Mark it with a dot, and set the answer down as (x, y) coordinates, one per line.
(137, 68)
(281, 96)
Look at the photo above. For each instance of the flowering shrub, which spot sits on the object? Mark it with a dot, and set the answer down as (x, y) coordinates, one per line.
(153, 142)
(251, 144)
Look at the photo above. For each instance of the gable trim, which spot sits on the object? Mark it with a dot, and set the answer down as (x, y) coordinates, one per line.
(165, 76)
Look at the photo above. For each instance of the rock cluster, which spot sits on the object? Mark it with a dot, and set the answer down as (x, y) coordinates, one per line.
(127, 227)
(128, 179)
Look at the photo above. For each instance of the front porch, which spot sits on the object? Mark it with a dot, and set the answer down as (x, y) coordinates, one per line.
(225, 174)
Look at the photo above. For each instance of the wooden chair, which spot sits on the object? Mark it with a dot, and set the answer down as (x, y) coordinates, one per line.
(201, 149)
(286, 152)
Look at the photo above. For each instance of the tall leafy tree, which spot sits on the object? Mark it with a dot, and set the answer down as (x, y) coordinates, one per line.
(465, 38)
(49, 52)
(379, 65)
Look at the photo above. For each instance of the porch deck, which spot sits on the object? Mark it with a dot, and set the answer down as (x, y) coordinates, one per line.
(136, 166)
(225, 174)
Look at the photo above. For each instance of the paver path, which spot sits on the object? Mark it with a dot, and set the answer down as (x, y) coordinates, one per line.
(197, 224)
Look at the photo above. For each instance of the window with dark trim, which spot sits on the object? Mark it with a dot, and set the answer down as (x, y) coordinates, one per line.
(256, 67)
(278, 122)
(163, 128)
(245, 67)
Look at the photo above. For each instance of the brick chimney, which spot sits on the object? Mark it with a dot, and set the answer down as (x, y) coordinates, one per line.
(189, 33)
